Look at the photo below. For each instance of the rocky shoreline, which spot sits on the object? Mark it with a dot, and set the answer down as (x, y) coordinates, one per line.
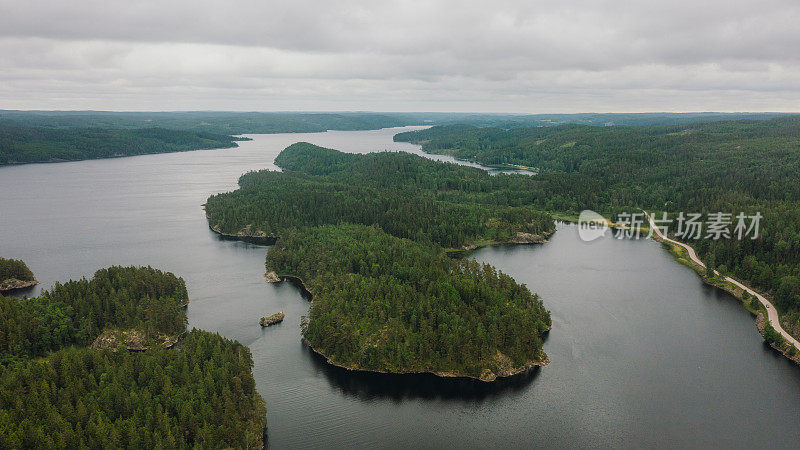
(13, 284)
(246, 235)
(487, 376)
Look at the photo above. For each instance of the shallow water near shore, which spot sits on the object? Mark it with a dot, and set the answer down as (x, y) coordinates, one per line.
(642, 352)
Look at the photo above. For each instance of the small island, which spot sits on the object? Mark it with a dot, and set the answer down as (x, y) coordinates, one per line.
(15, 274)
(273, 319)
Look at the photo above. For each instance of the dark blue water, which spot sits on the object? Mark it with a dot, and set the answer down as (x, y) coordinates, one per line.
(643, 354)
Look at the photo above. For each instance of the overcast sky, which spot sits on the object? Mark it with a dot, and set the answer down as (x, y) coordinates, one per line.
(498, 56)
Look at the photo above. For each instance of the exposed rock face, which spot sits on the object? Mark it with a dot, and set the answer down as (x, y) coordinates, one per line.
(273, 319)
(528, 238)
(133, 340)
(272, 277)
(13, 283)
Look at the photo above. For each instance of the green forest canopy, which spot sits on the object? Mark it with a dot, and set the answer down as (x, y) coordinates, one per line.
(26, 145)
(228, 122)
(744, 166)
(389, 304)
(57, 393)
(407, 195)
(14, 269)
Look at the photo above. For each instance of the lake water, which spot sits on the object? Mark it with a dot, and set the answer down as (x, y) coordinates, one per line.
(643, 353)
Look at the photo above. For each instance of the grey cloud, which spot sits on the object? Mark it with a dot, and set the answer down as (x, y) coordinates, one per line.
(510, 55)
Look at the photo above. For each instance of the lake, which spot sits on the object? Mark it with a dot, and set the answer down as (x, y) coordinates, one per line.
(643, 353)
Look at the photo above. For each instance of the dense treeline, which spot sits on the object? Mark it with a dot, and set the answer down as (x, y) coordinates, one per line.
(408, 196)
(299, 122)
(729, 167)
(199, 395)
(14, 269)
(25, 145)
(57, 393)
(390, 304)
(75, 313)
(228, 123)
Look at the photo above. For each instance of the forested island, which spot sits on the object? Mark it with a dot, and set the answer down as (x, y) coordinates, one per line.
(60, 389)
(388, 304)
(26, 145)
(15, 274)
(367, 235)
(736, 166)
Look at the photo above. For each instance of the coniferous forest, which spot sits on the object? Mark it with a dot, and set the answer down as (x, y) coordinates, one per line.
(27, 145)
(389, 304)
(367, 232)
(741, 166)
(406, 195)
(14, 273)
(57, 391)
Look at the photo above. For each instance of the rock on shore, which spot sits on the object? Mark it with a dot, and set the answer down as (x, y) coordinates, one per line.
(13, 283)
(272, 277)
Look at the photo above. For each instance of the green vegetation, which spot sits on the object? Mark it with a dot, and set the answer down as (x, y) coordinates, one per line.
(744, 166)
(229, 123)
(299, 122)
(366, 234)
(26, 145)
(57, 393)
(14, 273)
(408, 196)
(77, 312)
(388, 304)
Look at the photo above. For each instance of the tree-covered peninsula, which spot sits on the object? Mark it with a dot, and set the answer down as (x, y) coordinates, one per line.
(406, 195)
(26, 145)
(388, 304)
(15, 274)
(737, 166)
(59, 389)
(367, 235)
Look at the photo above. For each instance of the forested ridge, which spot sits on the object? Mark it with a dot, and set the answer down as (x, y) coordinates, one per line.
(741, 166)
(389, 304)
(26, 144)
(408, 196)
(229, 122)
(56, 392)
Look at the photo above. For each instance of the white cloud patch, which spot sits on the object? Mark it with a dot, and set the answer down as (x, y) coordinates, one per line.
(514, 56)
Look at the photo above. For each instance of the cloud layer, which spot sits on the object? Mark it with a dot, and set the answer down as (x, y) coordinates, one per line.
(501, 56)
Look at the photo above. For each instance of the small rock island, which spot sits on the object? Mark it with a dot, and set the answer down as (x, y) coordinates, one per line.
(15, 274)
(273, 319)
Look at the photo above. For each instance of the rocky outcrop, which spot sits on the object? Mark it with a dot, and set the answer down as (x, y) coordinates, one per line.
(528, 238)
(246, 235)
(11, 284)
(133, 339)
(273, 319)
(272, 277)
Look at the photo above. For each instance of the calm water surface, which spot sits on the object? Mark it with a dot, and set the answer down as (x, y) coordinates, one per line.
(642, 352)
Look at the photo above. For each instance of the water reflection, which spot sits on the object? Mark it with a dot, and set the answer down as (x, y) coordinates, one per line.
(398, 387)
